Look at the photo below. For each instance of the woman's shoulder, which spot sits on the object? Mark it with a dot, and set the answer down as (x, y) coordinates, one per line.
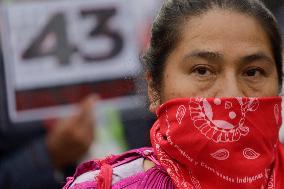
(120, 171)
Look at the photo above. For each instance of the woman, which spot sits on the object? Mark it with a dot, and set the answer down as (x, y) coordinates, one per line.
(214, 72)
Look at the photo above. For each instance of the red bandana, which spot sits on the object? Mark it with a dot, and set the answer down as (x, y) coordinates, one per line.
(220, 142)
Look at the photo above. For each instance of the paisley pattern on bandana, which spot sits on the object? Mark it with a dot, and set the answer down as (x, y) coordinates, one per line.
(220, 143)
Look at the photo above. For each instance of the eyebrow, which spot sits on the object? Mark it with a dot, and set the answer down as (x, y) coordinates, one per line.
(208, 55)
(255, 57)
(216, 56)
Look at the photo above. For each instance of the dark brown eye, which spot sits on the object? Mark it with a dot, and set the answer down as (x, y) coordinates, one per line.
(254, 72)
(202, 71)
(251, 72)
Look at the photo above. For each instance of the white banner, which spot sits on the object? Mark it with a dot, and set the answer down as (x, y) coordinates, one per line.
(63, 42)
(50, 44)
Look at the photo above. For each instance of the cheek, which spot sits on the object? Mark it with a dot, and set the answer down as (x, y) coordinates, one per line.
(266, 88)
(177, 86)
(272, 89)
(270, 86)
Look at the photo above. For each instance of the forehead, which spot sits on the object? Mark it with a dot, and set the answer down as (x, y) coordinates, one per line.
(224, 31)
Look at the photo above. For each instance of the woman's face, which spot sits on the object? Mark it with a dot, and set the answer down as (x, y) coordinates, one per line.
(220, 54)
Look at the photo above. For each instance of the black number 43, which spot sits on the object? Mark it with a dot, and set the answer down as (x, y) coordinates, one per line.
(55, 30)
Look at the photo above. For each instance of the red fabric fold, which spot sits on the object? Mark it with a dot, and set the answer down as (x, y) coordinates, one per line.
(104, 180)
(220, 142)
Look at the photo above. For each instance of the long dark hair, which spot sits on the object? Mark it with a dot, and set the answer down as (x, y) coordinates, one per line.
(166, 29)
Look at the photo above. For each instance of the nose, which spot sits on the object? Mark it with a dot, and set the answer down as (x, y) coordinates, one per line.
(229, 87)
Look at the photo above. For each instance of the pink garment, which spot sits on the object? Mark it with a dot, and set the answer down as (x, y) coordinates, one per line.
(153, 178)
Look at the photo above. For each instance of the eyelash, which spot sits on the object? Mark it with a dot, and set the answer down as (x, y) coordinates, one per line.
(198, 68)
(205, 72)
(260, 70)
